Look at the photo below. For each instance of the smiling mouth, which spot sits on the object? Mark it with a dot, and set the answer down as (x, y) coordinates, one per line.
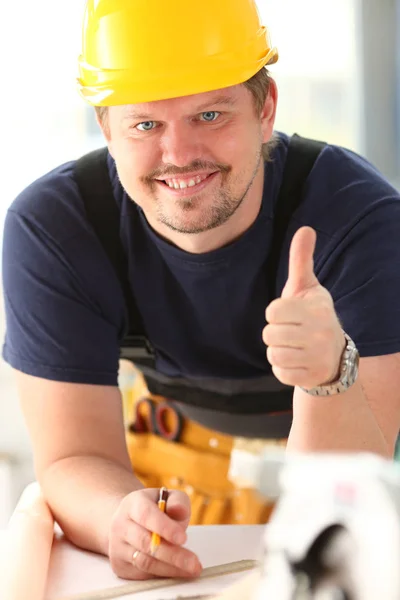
(176, 183)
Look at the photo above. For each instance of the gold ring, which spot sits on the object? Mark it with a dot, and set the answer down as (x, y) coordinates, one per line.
(135, 555)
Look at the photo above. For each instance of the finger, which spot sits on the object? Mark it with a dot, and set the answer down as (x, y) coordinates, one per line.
(285, 311)
(179, 507)
(286, 358)
(140, 539)
(148, 515)
(292, 377)
(146, 565)
(290, 336)
(301, 275)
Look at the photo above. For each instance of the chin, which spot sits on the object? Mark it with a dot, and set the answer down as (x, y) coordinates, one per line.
(185, 227)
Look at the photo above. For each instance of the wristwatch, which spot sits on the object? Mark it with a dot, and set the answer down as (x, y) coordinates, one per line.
(348, 372)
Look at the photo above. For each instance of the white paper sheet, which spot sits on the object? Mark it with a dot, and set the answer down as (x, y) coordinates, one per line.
(73, 571)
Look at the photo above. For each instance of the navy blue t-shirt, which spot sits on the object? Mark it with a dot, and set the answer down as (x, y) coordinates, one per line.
(203, 313)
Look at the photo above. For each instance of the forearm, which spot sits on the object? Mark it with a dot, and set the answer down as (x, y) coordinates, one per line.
(344, 422)
(83, 493)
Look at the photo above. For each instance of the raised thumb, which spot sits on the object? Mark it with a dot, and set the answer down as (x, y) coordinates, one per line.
(301, 275)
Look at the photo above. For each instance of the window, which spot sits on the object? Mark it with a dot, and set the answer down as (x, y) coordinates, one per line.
(317, 72)
(338, 73)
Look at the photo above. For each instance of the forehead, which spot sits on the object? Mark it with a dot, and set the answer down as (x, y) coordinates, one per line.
(229, 97)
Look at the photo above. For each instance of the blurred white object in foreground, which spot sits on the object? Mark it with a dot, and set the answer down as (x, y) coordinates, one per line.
(335, 531)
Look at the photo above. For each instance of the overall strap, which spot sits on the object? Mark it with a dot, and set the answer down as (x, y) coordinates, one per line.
(92, 176)
(301, 156)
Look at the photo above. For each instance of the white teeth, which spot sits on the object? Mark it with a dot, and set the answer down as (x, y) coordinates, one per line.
(181, 185)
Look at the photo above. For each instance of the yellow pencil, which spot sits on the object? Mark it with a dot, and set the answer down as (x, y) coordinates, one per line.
(162, 503)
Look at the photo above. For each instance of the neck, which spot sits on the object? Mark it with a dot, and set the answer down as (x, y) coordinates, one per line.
(225, 234)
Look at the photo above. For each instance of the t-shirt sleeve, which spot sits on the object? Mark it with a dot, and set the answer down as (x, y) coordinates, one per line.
(356, 214)
(364, 280)
(57, 299)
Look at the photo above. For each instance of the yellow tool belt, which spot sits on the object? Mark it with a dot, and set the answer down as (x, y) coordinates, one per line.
(196, 462)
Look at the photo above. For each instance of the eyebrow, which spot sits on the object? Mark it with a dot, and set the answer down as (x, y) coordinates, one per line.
(218, 101)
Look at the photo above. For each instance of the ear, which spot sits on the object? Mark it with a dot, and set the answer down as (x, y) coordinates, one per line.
(269, 112)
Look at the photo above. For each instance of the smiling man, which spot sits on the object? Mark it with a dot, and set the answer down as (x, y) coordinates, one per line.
(243, 271)
(194, 163)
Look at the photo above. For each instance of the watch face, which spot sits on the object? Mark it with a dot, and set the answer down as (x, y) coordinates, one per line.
(352, 366)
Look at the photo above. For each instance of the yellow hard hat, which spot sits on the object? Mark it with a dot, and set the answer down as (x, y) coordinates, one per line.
(144, 50)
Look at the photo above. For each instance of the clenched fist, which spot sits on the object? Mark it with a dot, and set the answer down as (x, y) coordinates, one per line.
(304, 338)
(130, 537)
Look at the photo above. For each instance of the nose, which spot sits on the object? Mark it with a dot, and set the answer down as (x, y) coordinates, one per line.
(180, 145)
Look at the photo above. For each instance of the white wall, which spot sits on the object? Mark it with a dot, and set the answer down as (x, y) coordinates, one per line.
(41, 117)
(17, 471)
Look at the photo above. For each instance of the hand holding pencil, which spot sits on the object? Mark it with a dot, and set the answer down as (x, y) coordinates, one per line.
(162, 505)
(147, 534)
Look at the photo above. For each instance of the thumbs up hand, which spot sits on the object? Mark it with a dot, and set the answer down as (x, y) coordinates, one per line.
(304, 339)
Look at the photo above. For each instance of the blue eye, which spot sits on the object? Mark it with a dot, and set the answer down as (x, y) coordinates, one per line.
(146, 126)
(210, 115)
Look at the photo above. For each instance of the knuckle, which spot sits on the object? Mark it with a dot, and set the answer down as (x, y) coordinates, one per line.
(145, 562)
(271, 335)
(271, 311)
(284, 357)
(277, 372)
(143, 541)
(123, 531)
(289, 379)
(118, 528)
(142, 513)
(283, 375)
(118, 566)
(270, 355)
(295, 377)
(182, 563)
(288, 358)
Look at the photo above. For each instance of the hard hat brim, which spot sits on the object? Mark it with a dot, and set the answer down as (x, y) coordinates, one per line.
(106, 88)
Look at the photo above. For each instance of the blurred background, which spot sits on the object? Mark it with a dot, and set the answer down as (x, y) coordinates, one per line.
(338, 78)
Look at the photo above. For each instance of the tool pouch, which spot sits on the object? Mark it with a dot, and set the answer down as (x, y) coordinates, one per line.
(197, 463)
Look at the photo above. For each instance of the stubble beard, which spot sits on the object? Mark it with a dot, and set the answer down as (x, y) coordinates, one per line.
(218, 213)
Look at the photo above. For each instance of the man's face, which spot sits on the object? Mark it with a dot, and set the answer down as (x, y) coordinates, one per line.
(190, 162)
